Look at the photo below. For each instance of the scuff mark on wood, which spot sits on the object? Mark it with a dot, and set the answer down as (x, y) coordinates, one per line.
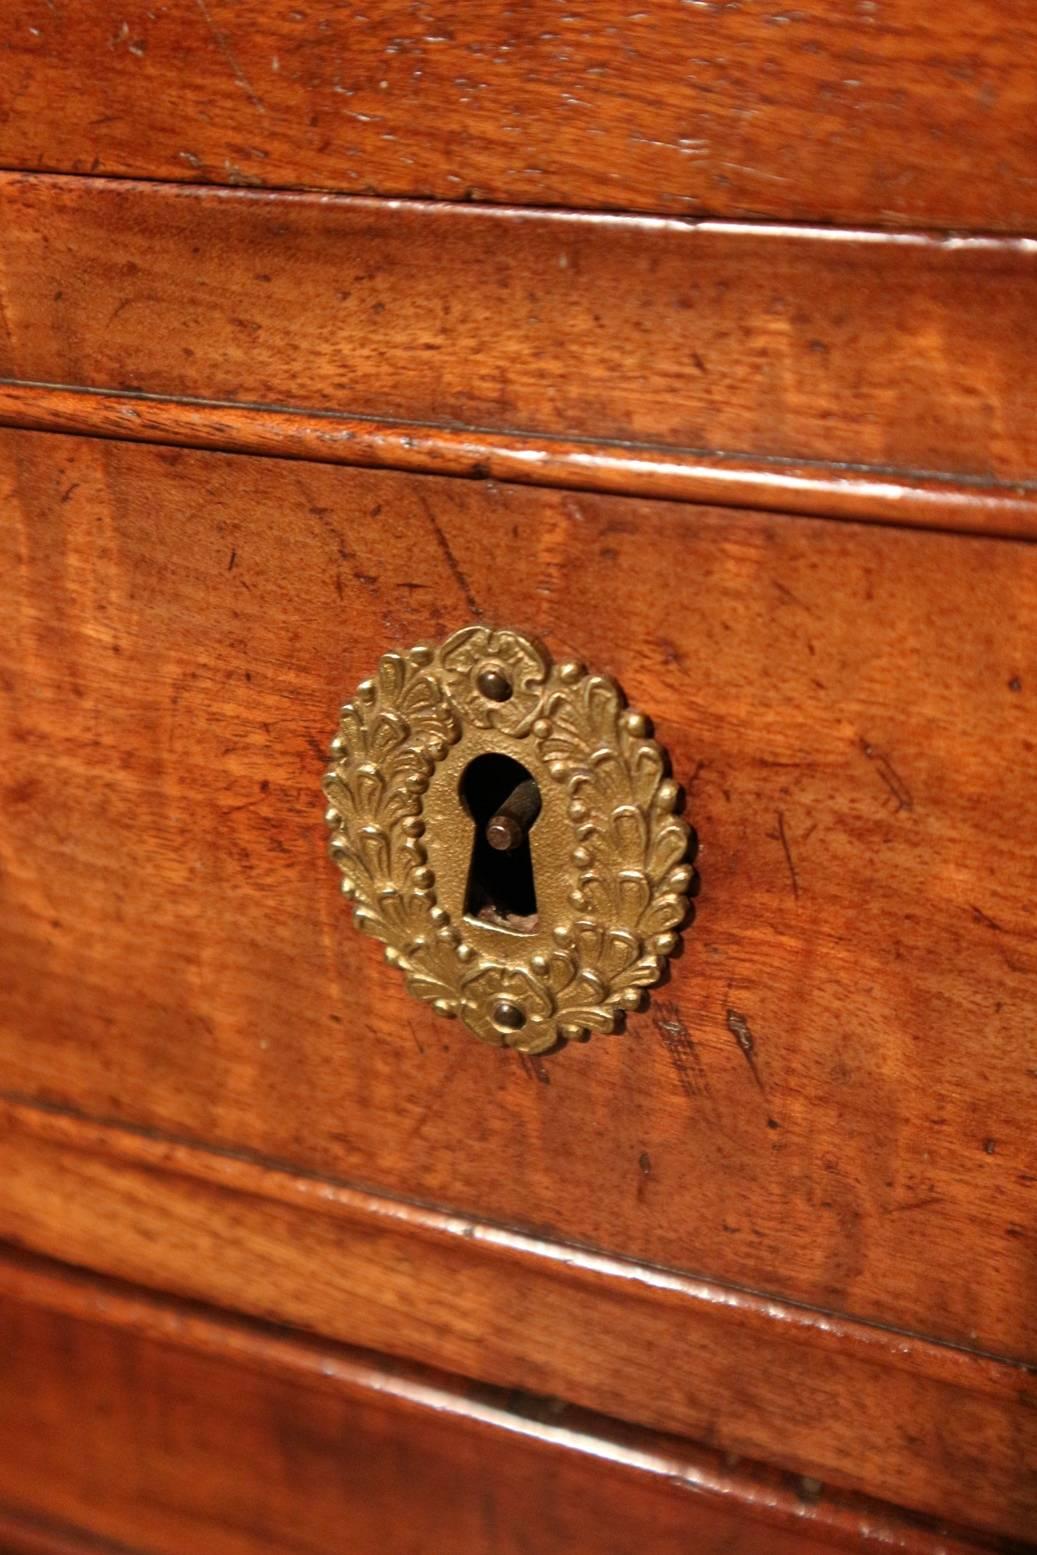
(672, 653)
(693, 776)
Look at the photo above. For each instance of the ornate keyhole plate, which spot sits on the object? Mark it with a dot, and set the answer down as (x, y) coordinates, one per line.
(608, 853)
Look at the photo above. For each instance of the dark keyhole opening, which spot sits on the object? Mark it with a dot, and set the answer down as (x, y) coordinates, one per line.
(503, 800)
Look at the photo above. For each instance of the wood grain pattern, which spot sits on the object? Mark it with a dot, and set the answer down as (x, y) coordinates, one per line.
(841, 1067)
(925, 1425)
(788, 1212)
(21, 1534)
(837, 110)
(196, 1431)
(901, 356)
(822, 490)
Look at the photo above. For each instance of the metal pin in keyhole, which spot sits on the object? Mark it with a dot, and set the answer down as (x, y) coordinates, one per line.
(507, 827)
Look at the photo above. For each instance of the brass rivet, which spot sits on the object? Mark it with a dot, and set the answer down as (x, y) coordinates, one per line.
(494, 686)
(508, 1016)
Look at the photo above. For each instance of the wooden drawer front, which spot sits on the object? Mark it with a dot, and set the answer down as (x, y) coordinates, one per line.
(831, 111)
(171, 1430)
(739, 363)
(840, 1067)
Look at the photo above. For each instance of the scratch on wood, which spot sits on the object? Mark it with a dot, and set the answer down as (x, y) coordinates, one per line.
(739, 1028)
(788, 855)
(535, 1068)
(220, 40)
(430, 1112)
(889, 775)
(451, 559)
(246, 804)
(683, 1055)
(326, 519)
(982, 917)
(787, 593)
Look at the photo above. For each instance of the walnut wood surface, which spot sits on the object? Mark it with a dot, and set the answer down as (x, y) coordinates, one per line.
(897, 355)
(198, 1432)
(831, 1100)
(930, 1426)
(834, 110)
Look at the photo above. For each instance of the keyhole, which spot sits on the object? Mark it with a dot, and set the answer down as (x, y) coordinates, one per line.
(503, 800)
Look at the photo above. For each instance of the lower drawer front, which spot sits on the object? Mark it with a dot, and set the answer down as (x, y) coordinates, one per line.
(169, 1430)
(829, 1101)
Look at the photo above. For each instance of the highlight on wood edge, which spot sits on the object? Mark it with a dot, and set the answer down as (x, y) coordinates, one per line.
(807, 488)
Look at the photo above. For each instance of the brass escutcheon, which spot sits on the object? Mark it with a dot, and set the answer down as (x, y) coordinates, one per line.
(505, 825)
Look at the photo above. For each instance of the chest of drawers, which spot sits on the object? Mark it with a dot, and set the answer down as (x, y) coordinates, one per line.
(697, 344)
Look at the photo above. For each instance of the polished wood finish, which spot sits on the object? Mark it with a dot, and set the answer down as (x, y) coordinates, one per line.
(263, 419)
(903, 357)
(835, 110)
(178, 630)
(197, 1431)
(819, 489)
(838, 1069)
(850, 1403)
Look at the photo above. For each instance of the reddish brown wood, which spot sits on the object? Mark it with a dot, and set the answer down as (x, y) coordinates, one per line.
(905, 354)
(195, 1430)
(25, 1535)
(835, 110)
(789, 1211)
(841, 1401)
(177, 631)
(821, 490)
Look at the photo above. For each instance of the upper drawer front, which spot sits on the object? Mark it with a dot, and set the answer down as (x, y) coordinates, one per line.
(834, 110)
(849, 372)
(843, 1056)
